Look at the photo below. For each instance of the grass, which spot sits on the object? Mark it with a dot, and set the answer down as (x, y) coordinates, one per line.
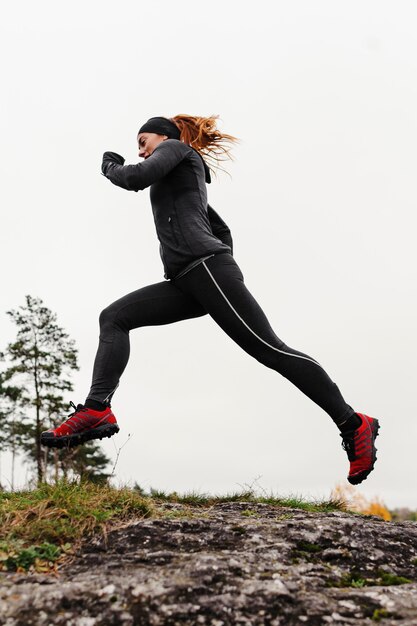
(38, 528)
(41, 528)
(197, 499)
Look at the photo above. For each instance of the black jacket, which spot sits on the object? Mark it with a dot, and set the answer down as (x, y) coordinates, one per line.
(188, 228)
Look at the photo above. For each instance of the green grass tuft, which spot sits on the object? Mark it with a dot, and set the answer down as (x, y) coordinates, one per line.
(33, 522)
(195, 498)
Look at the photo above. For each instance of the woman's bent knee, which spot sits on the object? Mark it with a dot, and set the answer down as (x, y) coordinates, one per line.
(109, 320)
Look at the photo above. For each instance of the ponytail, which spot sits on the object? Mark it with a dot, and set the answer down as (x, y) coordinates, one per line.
(201, 134)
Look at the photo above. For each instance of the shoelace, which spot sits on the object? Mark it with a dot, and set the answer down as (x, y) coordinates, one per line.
(77, 409)
(348, 444)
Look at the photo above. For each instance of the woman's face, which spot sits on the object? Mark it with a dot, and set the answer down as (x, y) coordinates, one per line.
(147, 143)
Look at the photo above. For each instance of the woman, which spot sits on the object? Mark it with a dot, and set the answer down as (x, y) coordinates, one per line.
(201, 277)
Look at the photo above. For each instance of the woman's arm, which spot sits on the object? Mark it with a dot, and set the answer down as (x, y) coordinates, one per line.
(137, 177)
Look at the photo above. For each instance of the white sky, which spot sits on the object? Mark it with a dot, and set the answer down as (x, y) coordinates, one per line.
(321, 204)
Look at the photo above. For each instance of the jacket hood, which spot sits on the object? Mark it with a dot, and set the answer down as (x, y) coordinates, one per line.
(206, 167)
(207, 171)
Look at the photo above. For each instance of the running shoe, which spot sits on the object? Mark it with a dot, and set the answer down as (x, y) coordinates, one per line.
(82, 425)
(360, 447)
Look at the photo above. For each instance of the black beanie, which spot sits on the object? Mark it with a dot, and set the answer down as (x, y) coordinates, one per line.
(161, 126)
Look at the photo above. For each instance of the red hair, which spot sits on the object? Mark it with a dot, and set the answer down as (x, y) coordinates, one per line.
(202, 134)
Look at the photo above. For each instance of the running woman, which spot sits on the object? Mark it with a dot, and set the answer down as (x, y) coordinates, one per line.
(202, 277)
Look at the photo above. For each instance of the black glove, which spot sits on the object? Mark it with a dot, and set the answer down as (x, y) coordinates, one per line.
(111, 157)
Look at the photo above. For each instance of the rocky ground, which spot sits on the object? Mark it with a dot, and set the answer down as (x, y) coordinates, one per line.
(233, 563)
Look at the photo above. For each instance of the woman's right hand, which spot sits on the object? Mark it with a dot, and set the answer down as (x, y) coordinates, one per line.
(111, 157)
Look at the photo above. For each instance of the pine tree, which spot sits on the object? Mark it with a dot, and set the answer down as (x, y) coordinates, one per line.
(32, 396)
(12, 420)
(88, 462)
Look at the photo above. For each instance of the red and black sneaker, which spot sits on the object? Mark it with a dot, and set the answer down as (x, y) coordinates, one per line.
(360, 447)
(81, 426)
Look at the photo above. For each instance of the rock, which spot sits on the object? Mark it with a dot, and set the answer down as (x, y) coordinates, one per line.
(220, 566)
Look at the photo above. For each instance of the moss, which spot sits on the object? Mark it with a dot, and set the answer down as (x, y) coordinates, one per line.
(380, 578)
(307, 551)
(351, 579)
(387, 578)
(304, 546)
(379, 614)
(249, 513)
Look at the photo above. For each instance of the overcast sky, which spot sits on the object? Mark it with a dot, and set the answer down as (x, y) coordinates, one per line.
(321, 203)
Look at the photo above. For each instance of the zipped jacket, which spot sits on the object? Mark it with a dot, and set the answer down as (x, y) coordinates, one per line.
(187, 227)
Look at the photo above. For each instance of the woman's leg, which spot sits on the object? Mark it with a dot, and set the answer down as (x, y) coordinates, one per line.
(218, 285)
(154, 305)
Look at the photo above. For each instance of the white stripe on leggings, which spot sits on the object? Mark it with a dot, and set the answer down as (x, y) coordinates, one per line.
(298, 356)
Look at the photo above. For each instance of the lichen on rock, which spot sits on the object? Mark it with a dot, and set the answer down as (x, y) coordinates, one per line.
(220, 565)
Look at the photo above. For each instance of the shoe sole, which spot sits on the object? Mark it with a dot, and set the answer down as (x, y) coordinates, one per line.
(358, 478)
(77, 439)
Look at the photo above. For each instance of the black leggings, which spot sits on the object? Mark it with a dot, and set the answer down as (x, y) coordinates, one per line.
(215, 286)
